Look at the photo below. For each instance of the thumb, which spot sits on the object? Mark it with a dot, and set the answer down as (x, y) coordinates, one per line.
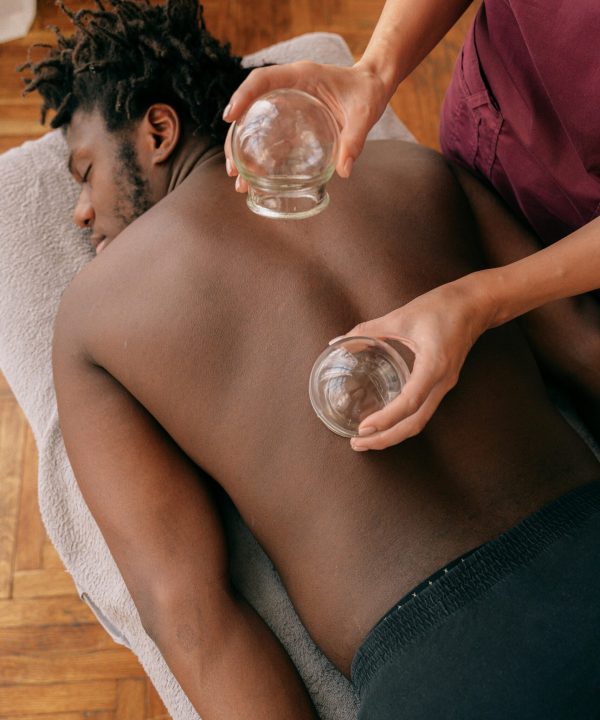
(352, 142)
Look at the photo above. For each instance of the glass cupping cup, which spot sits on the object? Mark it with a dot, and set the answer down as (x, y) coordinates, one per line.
(354, 377)
(285, 146)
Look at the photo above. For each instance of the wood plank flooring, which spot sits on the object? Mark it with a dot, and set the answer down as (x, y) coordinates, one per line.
(56, 662)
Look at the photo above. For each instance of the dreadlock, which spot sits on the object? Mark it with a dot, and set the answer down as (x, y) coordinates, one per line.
(121, 60)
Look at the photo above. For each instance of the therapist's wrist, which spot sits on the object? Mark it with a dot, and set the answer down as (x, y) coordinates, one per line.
(485, 294)
(382, 73)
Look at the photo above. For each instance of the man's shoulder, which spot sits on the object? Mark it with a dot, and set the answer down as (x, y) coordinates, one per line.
(203, 201)
(401, 158)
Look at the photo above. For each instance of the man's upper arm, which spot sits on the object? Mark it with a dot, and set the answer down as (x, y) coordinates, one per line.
(131, 473)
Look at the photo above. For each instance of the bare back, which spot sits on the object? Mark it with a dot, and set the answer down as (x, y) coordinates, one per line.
(212, 317)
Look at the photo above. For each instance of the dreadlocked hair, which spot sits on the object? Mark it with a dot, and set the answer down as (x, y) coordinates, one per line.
(123, 59)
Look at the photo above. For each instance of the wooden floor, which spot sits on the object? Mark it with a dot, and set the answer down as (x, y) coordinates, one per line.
(55, 660)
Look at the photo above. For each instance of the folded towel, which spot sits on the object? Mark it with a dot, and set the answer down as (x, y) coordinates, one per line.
(40, 251)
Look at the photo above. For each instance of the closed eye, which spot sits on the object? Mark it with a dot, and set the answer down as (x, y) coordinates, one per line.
(84, 179)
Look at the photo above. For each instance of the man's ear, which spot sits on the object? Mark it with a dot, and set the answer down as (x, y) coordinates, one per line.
(161, 129)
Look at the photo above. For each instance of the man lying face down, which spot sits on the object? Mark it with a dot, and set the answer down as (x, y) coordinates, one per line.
(451, 575)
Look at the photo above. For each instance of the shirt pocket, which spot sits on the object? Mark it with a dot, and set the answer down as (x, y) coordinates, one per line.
(471, 118)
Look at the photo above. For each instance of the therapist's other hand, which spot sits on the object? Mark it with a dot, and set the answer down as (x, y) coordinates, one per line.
(440, 327)
(356, 97)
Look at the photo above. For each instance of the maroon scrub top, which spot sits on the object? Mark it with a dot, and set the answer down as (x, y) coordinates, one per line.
(523, 109)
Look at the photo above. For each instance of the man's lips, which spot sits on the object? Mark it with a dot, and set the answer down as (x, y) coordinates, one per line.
(98, 241)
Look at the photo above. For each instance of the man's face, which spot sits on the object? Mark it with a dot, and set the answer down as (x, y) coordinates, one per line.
(114, 191)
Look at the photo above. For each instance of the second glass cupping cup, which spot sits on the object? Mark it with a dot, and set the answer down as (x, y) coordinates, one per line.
(354, 377)
(285, 147)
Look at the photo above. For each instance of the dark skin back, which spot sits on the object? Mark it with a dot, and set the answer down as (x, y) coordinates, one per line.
(208, 319)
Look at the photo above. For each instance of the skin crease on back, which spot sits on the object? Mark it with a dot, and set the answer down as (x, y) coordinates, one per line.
(211, 317)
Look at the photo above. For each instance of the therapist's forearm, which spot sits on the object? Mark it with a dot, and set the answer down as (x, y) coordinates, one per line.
(567, 268)
(405, 33)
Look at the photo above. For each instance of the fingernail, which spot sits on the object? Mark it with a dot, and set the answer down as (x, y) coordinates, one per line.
(227, 111)
(363, 432)
(357, 448)
(228, 166)
(348, 167)
(335, 339)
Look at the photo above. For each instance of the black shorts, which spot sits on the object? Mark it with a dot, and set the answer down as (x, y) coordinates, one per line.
(510, 632)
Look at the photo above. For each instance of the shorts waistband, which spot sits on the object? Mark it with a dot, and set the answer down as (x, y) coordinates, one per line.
(472, 578)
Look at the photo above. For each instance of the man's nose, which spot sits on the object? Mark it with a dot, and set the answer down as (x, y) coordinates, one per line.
(83, 215)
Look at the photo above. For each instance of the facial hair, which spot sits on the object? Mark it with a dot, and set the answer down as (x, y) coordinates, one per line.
(133, 192)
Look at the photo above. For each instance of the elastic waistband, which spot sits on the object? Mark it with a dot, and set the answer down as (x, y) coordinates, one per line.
(472, 578)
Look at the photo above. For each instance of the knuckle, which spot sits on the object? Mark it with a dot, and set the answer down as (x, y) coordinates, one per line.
(443, 370)
(420, 426)
(412, 404)
(452, 377)
(387, 438)
(415, 428)
(255, 79)
(256, 73)
(380, 444)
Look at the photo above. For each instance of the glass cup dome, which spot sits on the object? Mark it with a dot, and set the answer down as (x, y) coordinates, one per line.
(354, 377)
(285, 146)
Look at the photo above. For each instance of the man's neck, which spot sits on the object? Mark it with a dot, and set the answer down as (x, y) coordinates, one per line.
(194, 151)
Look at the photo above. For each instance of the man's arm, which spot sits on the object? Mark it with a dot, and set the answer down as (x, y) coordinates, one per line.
(157, 514)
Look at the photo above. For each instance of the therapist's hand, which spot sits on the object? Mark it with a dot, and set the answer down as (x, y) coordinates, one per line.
(440, 327)
(356, 97)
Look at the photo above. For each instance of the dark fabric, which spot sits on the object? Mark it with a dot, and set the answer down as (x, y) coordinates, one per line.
(522, 109)
(512, 631)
